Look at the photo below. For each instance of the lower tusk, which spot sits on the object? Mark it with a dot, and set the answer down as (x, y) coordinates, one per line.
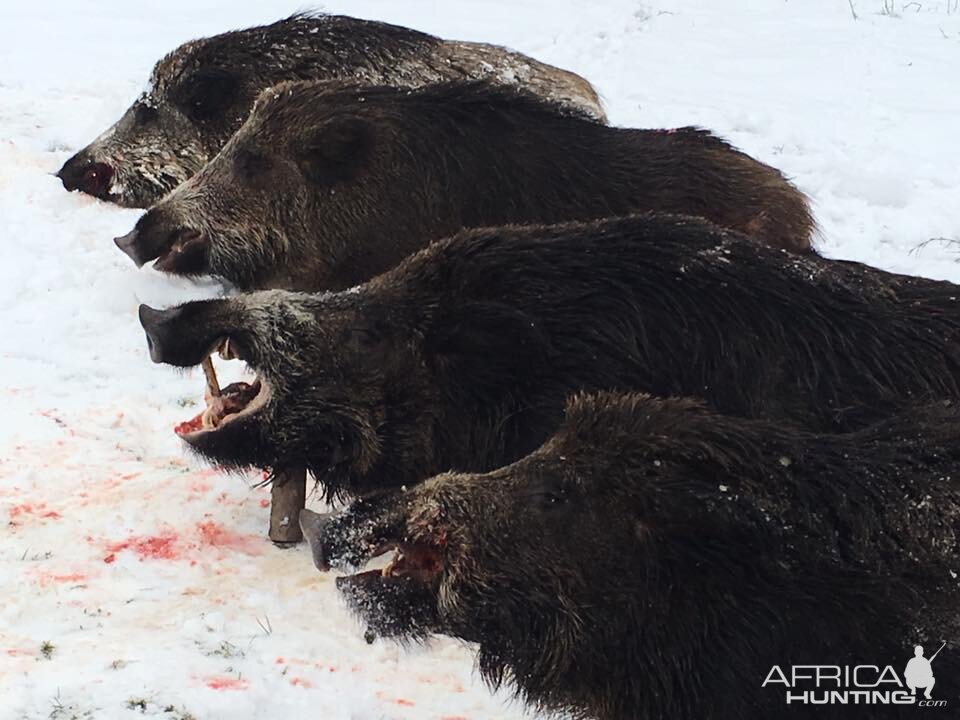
(225, 351)
(212, 385)
(388, 569)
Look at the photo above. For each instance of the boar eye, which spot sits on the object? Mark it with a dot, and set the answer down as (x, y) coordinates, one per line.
(551, 498)
(144, 113)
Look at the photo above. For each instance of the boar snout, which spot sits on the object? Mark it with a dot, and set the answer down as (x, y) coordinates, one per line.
(314, 526)
(87, 175)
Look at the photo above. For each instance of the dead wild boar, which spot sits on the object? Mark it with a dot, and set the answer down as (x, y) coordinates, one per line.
(463, 355)
(202, 92)
(654, 559)
(326, 185)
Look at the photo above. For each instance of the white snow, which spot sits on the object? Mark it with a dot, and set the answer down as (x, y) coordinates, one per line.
(148, 572)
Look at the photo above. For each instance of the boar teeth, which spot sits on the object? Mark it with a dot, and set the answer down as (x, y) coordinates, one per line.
(212, 385)
(388, 570)
(208, 420)
(226, 351)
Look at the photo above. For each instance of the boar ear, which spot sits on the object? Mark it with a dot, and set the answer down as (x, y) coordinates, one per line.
(336, 151)
(207, 93)
(496, 341)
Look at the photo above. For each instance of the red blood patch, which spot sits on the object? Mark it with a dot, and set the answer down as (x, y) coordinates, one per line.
(155, 547)
(216, 535)
(220, 682)
(46, 578)
(189, 426)
(39, 509)
(396, 701)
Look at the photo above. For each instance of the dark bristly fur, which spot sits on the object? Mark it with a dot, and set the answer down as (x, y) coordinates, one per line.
(201, 92)
(654, 559)
(463, 355)
(327, 185)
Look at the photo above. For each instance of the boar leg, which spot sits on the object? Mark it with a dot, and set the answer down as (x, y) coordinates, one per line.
(288, 496)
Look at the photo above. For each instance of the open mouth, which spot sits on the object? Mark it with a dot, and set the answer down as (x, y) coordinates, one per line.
(397, 595)
(224, 405)
(399, 600)
(419, 562)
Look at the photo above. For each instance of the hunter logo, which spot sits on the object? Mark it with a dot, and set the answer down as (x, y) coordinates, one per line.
(858, 684)
(919, 673)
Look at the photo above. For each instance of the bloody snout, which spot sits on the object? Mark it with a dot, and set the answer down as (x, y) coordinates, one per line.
(87, 175)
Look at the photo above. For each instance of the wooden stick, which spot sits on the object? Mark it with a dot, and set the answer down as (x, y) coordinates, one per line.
(288, 496)
(212, 385)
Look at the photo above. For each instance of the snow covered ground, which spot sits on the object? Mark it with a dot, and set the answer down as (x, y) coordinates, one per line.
(134, 581)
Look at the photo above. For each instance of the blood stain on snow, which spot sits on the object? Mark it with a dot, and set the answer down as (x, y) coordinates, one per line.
(18, 510)
(47, 578)
(224, 498)
(301, 682)
(154, 547)
(20, 652)
(216, 535)
(198, 486)
(37, 510)
(220, 682)
(264, 502)
(403, 702)
(294, 661)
